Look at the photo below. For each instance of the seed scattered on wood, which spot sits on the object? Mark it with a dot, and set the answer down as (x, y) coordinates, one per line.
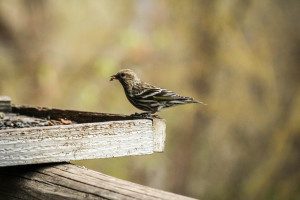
(50, 124)
(15, 120)
(65, 121)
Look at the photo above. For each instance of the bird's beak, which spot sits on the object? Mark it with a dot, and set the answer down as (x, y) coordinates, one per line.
(113, 77)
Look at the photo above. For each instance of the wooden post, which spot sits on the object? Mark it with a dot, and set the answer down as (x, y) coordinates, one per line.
(5, 104)
(66, 181)
(159, 126)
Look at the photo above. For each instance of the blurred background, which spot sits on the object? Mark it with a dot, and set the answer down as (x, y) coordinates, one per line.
(240, 57)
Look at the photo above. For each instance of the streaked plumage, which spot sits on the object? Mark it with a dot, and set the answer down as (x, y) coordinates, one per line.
(147, 97)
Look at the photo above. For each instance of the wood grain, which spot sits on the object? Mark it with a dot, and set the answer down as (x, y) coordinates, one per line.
(159, 126)
(78, 142)
(67, 181)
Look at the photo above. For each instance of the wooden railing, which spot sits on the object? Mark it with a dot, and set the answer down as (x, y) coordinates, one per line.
(94, 135)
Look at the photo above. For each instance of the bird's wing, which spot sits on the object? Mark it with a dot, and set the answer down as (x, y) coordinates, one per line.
(148, 93)
(171, 97)
(166, 95)
(160, 95)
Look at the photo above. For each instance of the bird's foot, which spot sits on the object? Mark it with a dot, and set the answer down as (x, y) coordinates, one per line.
(144, 115)
(155, 116)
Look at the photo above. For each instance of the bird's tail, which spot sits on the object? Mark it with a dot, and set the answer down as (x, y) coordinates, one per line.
(194, 101)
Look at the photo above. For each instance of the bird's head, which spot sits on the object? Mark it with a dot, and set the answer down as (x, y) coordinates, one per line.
(126, 77)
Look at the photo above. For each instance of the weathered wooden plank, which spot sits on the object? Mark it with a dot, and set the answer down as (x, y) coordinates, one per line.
(5, 104)
(159, 126)
(79, 141)
(67, 181)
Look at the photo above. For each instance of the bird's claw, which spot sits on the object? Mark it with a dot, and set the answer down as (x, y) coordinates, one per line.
(144, 115)
(140, 115)
(155, 116)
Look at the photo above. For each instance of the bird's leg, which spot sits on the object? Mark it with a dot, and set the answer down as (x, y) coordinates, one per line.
(149, 114)
(153, 116)
(145, 115)
(153, 112)
(136, 115)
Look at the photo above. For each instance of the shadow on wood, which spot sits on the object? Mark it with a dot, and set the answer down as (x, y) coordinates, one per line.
(74, 115)
(68, 181)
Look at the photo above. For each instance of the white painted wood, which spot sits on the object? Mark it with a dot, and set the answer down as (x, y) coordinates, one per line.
(80, 141)
(159, 126)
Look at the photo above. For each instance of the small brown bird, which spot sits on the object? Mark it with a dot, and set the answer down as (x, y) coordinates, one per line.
(147, 97)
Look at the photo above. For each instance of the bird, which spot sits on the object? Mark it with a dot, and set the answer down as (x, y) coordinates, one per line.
(147, 97)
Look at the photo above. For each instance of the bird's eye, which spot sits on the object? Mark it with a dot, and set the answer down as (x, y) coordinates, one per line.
(122, 74)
